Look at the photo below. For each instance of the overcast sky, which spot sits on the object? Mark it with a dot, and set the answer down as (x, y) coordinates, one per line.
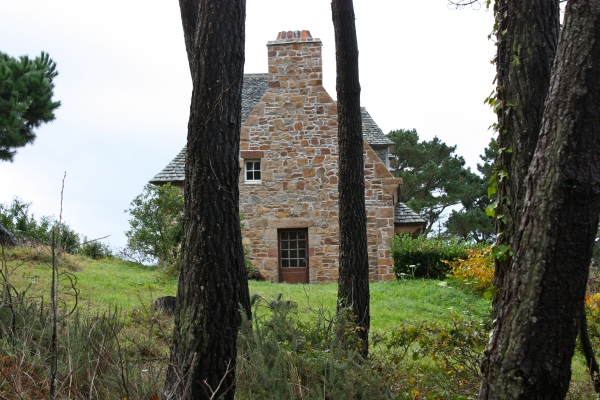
(125, 88)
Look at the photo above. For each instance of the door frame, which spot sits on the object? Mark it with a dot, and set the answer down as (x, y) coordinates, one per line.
(279, 268)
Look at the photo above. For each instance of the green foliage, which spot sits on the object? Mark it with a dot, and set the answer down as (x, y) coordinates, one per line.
(157, 226)
(95, 249)
(434, 177)
(16, 218)
(472, 222)
(26, 91)
(282, 357)
(423, 257)
(446, 356)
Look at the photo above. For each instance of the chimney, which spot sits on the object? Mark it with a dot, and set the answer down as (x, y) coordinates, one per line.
(295, 61)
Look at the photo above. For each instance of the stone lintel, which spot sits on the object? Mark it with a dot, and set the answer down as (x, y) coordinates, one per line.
(290, 223)
(247, 155)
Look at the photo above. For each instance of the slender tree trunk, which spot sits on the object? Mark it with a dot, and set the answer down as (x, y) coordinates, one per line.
(353, 291)
(530, 351)
(213, 286)
(528, 32)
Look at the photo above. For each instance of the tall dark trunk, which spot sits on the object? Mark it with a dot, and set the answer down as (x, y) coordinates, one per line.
(527, 34)
(538, 316)
(353, 290)
(213, 286)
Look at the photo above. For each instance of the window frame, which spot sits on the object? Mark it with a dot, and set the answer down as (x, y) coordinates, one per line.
(252, 181)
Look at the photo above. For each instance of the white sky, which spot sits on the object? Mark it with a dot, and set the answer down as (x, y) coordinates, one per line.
(125, 88)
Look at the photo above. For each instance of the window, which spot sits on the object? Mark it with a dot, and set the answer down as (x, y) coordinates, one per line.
(292, 249)
(252, 171)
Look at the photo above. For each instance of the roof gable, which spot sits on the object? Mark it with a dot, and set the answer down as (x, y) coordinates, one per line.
(254, 87)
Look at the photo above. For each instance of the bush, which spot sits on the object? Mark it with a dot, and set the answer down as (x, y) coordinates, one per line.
(16, 218)
(423, 257)
(281, 357)
(157, 226)
(438, 361)
(95, 249)
(477, 270)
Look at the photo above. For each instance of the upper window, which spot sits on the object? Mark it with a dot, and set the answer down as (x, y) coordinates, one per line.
(252, 171)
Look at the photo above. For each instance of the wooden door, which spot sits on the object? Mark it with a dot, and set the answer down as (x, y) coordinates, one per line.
(293, 255)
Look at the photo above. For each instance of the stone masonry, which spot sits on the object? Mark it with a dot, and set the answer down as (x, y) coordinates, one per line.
(292, 130)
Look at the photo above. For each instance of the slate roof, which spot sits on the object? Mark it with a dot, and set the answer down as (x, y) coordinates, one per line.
(371, 132)
(173, 172)
(404, 215)
(255, 85)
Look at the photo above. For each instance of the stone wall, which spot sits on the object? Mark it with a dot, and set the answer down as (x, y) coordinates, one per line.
(293, 131)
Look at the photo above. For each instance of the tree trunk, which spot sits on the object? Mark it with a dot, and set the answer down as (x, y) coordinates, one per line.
(213, 286)
(353, 290)
(527, 37)
(530, 351)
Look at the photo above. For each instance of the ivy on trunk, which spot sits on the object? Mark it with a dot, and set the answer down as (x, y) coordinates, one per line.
(538, 311)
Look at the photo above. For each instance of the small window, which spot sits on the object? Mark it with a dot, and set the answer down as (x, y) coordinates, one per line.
(252, 171)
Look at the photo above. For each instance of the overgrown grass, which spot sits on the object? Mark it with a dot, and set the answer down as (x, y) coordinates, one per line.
(410, 318)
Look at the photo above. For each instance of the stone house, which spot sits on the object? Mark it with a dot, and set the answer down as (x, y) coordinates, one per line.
(289, 161)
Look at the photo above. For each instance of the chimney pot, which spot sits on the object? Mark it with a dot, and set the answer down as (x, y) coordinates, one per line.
(287, 35)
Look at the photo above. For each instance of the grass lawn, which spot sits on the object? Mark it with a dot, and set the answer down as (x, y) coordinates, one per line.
(392, 303)
(109, 282)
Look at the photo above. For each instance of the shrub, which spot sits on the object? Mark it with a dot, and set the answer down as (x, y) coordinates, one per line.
(437, 361)
(281, 357)
(426, 256)
(476, 270)
(156, 226)
(95, 249)
(16, 218)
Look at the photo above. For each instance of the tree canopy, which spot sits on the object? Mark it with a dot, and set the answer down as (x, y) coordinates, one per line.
(435, 178)
(472, 222)
(26, 91)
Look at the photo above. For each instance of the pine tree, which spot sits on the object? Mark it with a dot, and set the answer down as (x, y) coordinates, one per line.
(26, 91)
(435, 178)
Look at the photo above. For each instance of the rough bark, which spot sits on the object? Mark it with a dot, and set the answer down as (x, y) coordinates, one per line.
(530, 351)
(527, 36)
(213, 286)
(353, 289)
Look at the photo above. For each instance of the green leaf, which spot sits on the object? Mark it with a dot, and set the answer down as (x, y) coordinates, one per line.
(490, 210)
